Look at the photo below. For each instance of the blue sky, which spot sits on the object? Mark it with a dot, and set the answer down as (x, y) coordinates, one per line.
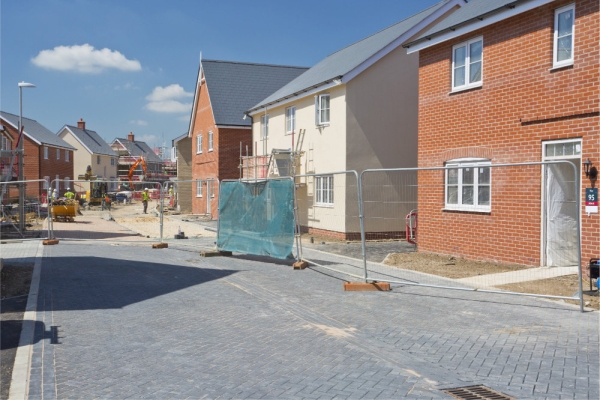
(131, 65)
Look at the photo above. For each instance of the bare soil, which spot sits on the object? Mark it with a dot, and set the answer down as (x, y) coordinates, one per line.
(449, 267)
(560, 286)
(14, 288)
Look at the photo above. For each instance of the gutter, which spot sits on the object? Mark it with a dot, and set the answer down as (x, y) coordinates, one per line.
(339, 77)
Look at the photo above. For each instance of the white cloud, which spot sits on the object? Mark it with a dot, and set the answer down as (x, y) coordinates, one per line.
(84, 59)
(162, 99)
(149, 139)
(138, 122)
(168, 93)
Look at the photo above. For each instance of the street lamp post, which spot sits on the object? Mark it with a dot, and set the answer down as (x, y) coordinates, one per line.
(21, 157)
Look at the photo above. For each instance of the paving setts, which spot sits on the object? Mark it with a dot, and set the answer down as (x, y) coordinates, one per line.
(121, 321)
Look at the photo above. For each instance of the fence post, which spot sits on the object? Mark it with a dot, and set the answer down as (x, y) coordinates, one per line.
(161, 206)
(361, 216)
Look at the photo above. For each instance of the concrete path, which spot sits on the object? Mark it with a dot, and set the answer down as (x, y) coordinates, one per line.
(121, 321)
(524, 275)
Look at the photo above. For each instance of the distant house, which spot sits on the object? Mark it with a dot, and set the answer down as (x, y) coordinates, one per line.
(182, 156)
(504, 82)
(92, 150)
(129, 151)
(356, 109)
(218, 131)
(46, 155)
(6, 155)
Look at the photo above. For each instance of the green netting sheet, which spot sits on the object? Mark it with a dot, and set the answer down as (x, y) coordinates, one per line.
(257, 218)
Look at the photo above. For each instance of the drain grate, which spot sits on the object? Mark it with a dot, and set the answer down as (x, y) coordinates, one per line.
(478, 392)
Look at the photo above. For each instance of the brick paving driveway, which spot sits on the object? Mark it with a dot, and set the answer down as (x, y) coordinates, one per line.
(132, 322)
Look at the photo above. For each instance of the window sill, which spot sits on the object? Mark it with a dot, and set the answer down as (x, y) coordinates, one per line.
(465, 89)
(198, 197)
(467, 211)
(561, 66)
(322, 125)
(323, 205)
(210, 150)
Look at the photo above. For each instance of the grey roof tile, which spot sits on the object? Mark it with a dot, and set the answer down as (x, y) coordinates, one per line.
(345, 60)
(234, 87)
(138, 148)
(36, 131)
(91, 140)
(468, 12)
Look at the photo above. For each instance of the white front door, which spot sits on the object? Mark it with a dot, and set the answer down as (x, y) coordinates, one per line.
(560, 247)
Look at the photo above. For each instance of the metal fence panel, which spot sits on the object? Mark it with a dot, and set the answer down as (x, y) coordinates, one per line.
(33, 210)
(507, 228)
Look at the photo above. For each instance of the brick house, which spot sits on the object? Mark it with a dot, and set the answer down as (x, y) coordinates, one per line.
(504, 81)
(224, 91)
(46, 155)
(129, 151)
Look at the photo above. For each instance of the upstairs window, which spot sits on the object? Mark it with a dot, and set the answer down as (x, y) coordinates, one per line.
(467, 64)
(290, 120)
(58, 154)
(564, 30)
(45, 153)
(322, 109)
(67, 155)
(469, 187)
(210, 141)
(5, 143)
(98, 160)
(264, 126)
(198, 144)
(112, 161)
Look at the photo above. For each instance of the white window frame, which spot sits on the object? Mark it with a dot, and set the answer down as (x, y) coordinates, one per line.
(58, 154)
(324, 190)
(198, 188)
(210, 141)
(319, 109)
(67, 155)
(5, 143)
(212, 187)
(472, 163)
(290, 120)
(45, 152)
(563, 63)
(264, 126)
(199, 144)
(112, 161)
(577, 151)
(467, 45)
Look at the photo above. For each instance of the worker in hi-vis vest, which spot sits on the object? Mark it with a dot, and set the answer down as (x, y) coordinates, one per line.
(69, 194)
(145, 198)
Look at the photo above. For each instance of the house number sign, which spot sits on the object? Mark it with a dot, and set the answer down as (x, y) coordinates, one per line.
(591, 200)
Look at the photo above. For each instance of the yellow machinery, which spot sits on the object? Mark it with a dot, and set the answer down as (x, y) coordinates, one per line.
(97, 190)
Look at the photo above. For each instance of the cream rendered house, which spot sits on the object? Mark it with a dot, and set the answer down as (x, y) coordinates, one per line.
(92, 151)
(356, 109)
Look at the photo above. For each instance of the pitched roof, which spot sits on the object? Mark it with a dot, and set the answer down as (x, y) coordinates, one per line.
(137, 149)
(338, 64)
(35, 131)
(472, 12)
(91, 140)
(235, 86)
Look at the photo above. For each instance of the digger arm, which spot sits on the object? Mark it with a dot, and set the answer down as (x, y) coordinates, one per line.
(134, 166)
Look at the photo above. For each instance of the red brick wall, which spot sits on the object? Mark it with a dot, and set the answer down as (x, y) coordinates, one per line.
(52, 167)
(222, 162)
(521, 103)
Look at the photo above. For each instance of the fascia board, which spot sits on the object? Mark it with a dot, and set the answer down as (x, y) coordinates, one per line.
(233, 126)
(76, 138)
(293, 98)
(510, 12)
(401, 39)
(24, 132)
(196, 96)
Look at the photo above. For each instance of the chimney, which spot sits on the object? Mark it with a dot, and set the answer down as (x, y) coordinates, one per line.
(130, 137)
(81, 123)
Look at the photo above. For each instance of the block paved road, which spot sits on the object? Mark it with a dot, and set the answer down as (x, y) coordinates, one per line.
(125, 321)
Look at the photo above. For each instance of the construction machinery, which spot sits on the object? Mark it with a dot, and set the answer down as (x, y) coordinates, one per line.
(133, 168)
(94, 195)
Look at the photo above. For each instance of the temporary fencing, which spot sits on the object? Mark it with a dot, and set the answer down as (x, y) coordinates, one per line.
(257, 217)
(522, 219)
(23, 220)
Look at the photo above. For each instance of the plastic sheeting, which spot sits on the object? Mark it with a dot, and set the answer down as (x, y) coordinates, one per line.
(257, 218)
(561, 216)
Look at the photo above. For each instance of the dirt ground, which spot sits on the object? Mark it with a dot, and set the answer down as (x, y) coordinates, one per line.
(457, 268)
(559, 286)
(449, 267)
(16, 280)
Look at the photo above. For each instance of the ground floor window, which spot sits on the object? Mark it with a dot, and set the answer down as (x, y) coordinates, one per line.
(468, 185)
(198, 188)
(324, 190)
